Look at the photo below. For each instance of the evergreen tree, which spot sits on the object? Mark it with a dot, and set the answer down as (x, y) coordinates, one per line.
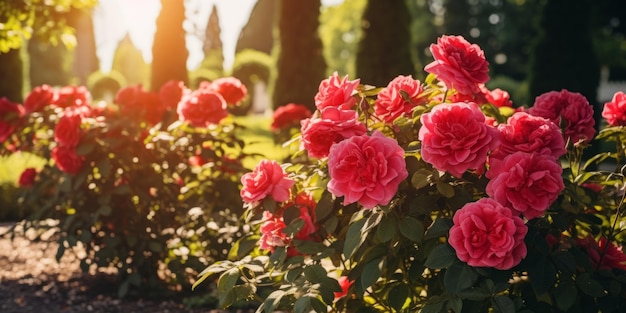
(129, 62)
(563, 56)
(85, 58)
(169, 51)
(11, 78)
(257, 34)
(300, 62)
(384, 50)
(213, 49)
(424, 32)
(48, 64)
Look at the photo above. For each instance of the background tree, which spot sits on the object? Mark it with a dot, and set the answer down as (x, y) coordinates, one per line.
(11, 76)
(128, 61)
(300, 64)
(563, 56)
(424, 32)
(213, 49)
(340, 31)
(257, 33)
(169, 50)
(384, 50)
(85, 59)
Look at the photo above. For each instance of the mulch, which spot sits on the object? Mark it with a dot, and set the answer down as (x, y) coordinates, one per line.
(31, 280)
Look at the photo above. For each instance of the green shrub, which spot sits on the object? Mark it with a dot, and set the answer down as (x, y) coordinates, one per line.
(251, 67)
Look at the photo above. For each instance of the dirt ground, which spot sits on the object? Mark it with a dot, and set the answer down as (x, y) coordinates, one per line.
(31, 280)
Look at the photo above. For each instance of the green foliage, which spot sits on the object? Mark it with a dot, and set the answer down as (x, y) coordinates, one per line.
(300, 64)
(384, 50)
(128, 61)
(340, 32)
(11, 75)
(46, 19)
(48, 64)
(104, 86)
(169, 51)
(213, 49)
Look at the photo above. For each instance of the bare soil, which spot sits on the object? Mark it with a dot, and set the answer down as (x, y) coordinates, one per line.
(32, 281)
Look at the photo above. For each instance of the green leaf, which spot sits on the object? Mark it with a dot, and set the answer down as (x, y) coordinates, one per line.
(590, 286)
(303, 304)
(272, 301)
(434, 305)
(60, 252)
(440, 257)
(371, 273)
(315, 273)
(565, 295)
(324, 207)
(459, 277)
(445, 189)
(123, 289)
(225, 286)
(454, 305)
(412, 229)
(474, 294)
(439, 228)
(398, 296)
(542, 275)
(503, 304)
(105, 210)
(420, 178)
(386, 229)
(354, 238)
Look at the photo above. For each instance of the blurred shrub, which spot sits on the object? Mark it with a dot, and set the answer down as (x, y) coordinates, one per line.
(251, 66)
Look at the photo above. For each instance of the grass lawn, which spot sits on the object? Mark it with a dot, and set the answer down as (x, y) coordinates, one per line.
(11, 167)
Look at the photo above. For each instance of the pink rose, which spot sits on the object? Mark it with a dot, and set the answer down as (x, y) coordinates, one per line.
(202, 108)
(569, 108)
(39, 98)
(486, 234)
(459, 64)
(603, 254)
(399, 98)
(497, 97)
(336, 92)
(10, 114)
(615, 110)
(66, 159)
(306, 205)
(72, 96)
(289, 115)
(525, 182)
(532, 134)
(344, 283)
(272, 235)
(27, 178)
(230, 88)
(171, 93)
(67, 130)
(455, 137)
(366, 169)
(267, 178)
(334, 125)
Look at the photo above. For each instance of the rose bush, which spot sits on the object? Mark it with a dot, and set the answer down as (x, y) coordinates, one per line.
(138, 183)
(436, 196)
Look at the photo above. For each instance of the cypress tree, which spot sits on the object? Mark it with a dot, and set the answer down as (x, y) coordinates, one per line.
(257, 34)
(300, 61)
(563, 57)
(384, 50)
(85, 58)
(169, 50)
(213, 48)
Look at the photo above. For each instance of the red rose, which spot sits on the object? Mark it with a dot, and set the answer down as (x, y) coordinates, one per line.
(289, 115)
(10, 113)
(336, 92)
(66, 159)
(27, 178)
(230, 88)
(140, 105)
(615, 110)
(459, 64)
(267, 179)
(532, 134)
(171, 93)
(72, 96)
(569, 108)
(399, 98)
(527, 183)
(202, 108)
(455, 137)
(366, 169)
(486, 234)
(345, 284)
(603, 253)
(272, 235)
(39, 98)
(497, 97)
(67, 130)
(334, 125)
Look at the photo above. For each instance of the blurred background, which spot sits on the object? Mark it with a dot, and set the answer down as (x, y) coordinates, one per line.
(281, 49)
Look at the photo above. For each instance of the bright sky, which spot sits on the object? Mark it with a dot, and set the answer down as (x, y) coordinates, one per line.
(114, 18)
